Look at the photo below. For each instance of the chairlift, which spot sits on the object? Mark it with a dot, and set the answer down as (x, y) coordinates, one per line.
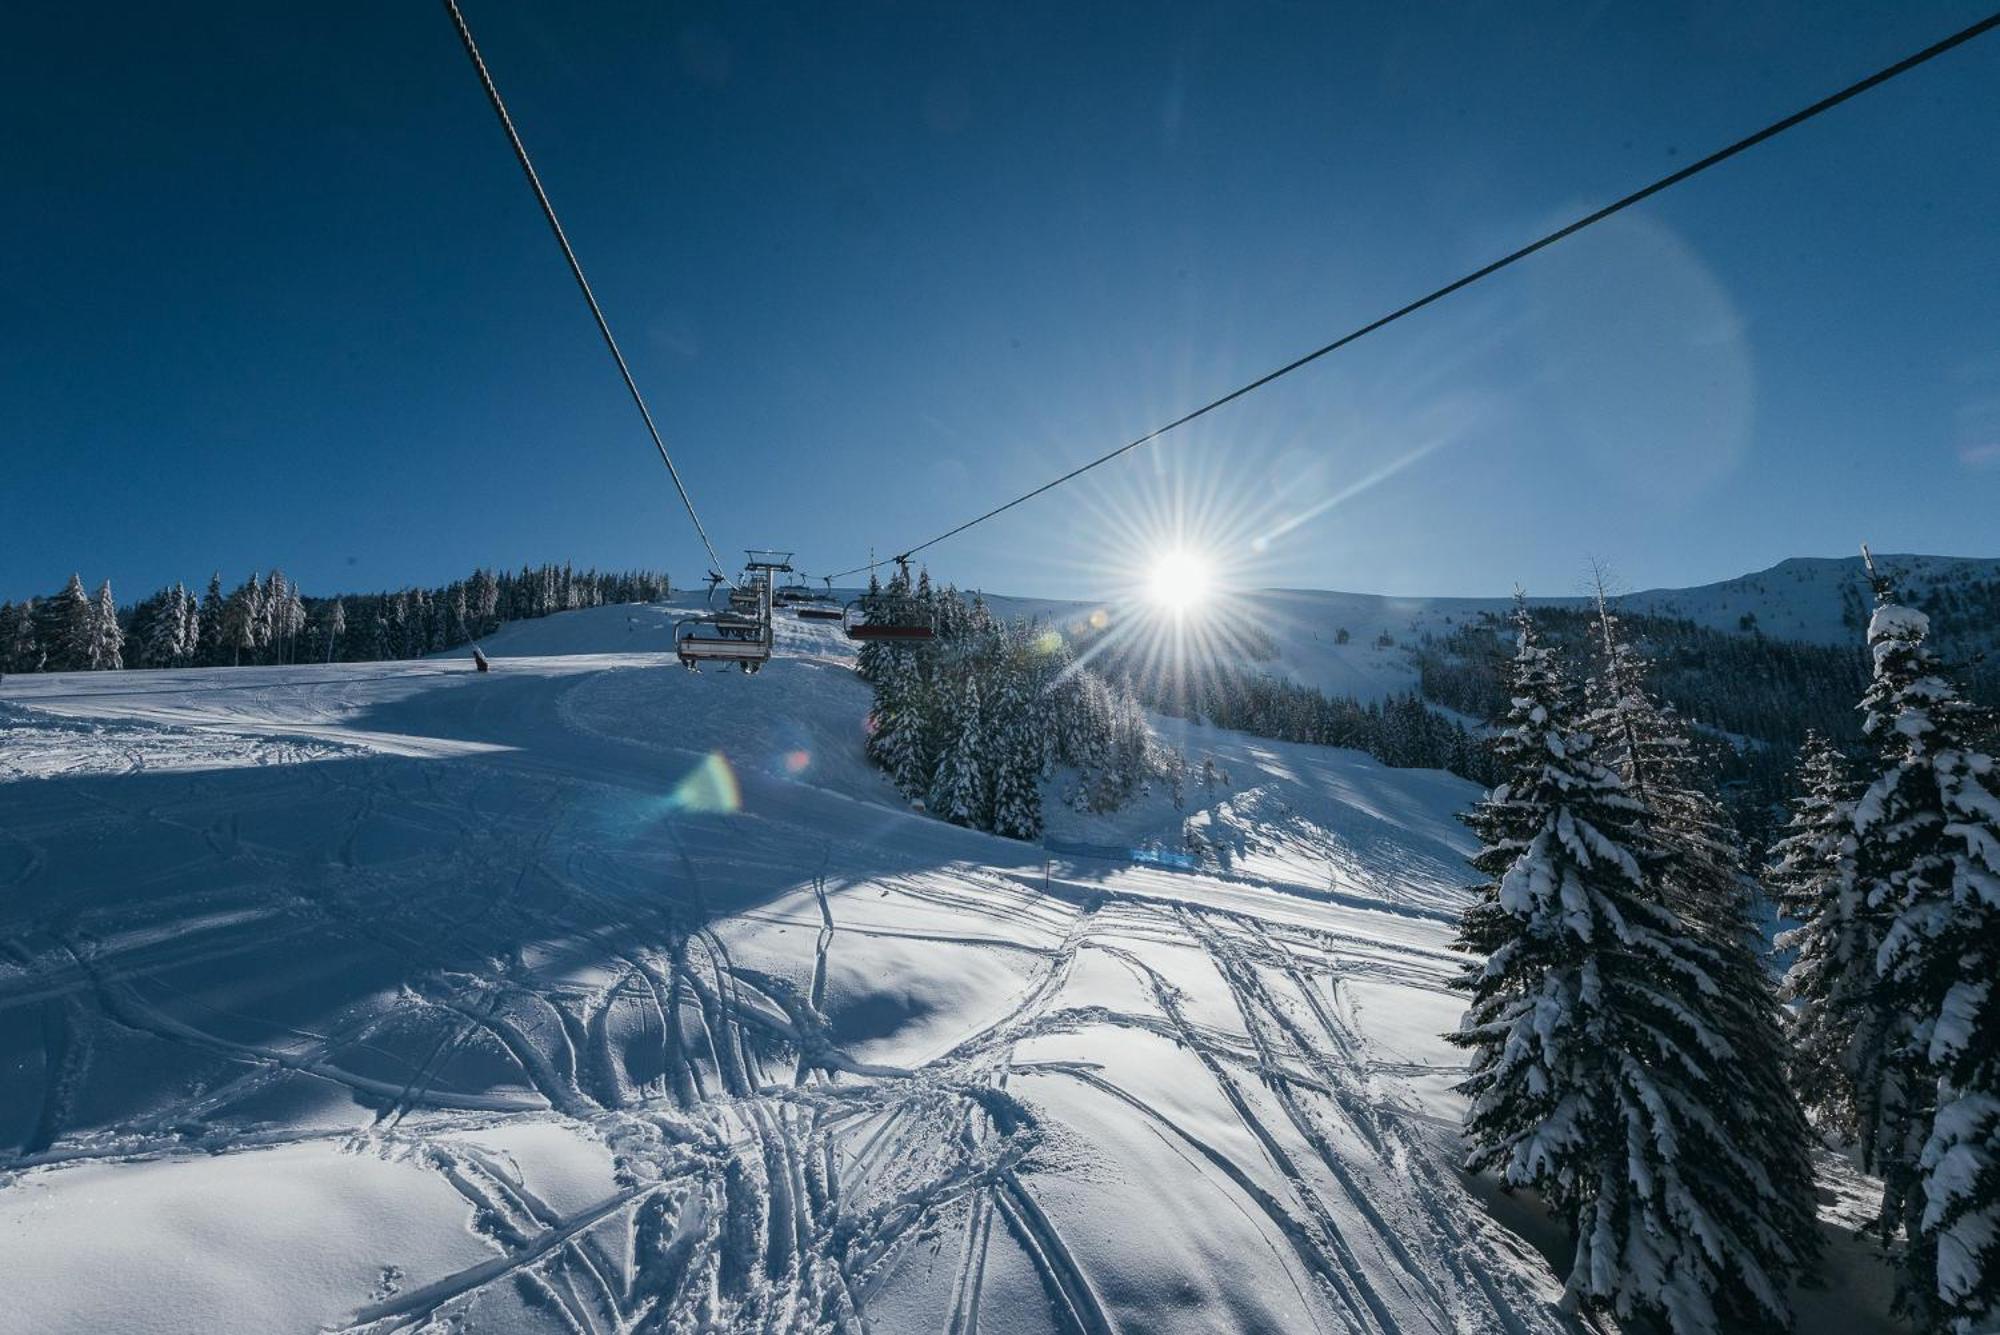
(724, 637)
(740, 632)
(821, 605)
(694, 647)
(888, 614)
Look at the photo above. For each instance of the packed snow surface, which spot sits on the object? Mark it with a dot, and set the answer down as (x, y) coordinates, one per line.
(593, 995)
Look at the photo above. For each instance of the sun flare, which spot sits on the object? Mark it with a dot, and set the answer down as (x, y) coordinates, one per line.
(1178, 581)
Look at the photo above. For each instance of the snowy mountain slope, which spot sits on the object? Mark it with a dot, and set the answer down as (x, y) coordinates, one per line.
(1815, 599)
(590, 993)
(1823, 600)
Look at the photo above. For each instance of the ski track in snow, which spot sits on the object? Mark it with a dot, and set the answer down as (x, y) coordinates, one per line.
(841, 1063)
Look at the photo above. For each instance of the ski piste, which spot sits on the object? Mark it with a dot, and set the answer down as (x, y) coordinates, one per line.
(592, 994)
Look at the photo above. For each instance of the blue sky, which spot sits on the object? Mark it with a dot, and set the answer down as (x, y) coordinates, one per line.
(272, 291)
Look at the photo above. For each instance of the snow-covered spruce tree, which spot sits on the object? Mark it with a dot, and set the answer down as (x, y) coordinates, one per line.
(486, 602)
(18, 650)
(65, 628)
(190, 644)
(896, 722)
(958, 787)
(107, 637)
(333, 625)
(270, 616)
(1596, 1077)
(1703, 877)
(168, 646)
(459, 630)
(286, 617)
(1927, 857)
(1015, 731)
(154, 626)
(868, 659)
(209, 650)
(1811, 876)
(240, 615)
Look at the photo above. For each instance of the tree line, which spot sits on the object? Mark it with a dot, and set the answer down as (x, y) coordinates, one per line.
(1631, 1059)
(268, 620)
(970, 725)
(1755, 698)
(1401, 731)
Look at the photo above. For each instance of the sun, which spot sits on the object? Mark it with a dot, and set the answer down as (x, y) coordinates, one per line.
(1178, 580)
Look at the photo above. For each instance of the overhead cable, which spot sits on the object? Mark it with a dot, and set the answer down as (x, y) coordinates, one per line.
(1722, 155)
(576, 268)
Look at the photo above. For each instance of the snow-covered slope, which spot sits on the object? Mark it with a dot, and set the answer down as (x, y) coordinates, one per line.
(1820, 600)
(591, 995)
(589, 989)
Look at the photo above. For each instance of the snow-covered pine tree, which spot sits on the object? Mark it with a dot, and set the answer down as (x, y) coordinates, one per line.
(19, 648)
(239, 621)
(65, 628)
(271, 616)
(438, 622)
(143, 633)
(287, 617)
(417, 616)
(928, 603)
(107, 637)
(209, 647)
(20, 639)
(1811, 876)
(333, 625)
(1703, 877)
(181, 609)
(379, 633)
(868, 659)
(485, 603)
(1594, 1078)
(958, 786)
(258, 594)
(1927, 857)
(1014, 730)
(190, 641)
(896, 739)
(153, 640)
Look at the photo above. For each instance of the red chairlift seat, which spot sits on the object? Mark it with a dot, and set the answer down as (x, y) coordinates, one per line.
(886, 619)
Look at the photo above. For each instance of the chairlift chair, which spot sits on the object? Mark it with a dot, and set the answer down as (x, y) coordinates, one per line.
(740, 633)
(695, 648)
(794, 593)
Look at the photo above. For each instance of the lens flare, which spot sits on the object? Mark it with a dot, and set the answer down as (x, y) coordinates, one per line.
(709, 786)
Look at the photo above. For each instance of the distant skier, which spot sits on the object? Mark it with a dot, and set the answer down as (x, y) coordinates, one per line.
(479, 660)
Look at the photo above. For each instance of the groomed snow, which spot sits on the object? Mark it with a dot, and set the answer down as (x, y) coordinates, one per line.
(590, 993)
